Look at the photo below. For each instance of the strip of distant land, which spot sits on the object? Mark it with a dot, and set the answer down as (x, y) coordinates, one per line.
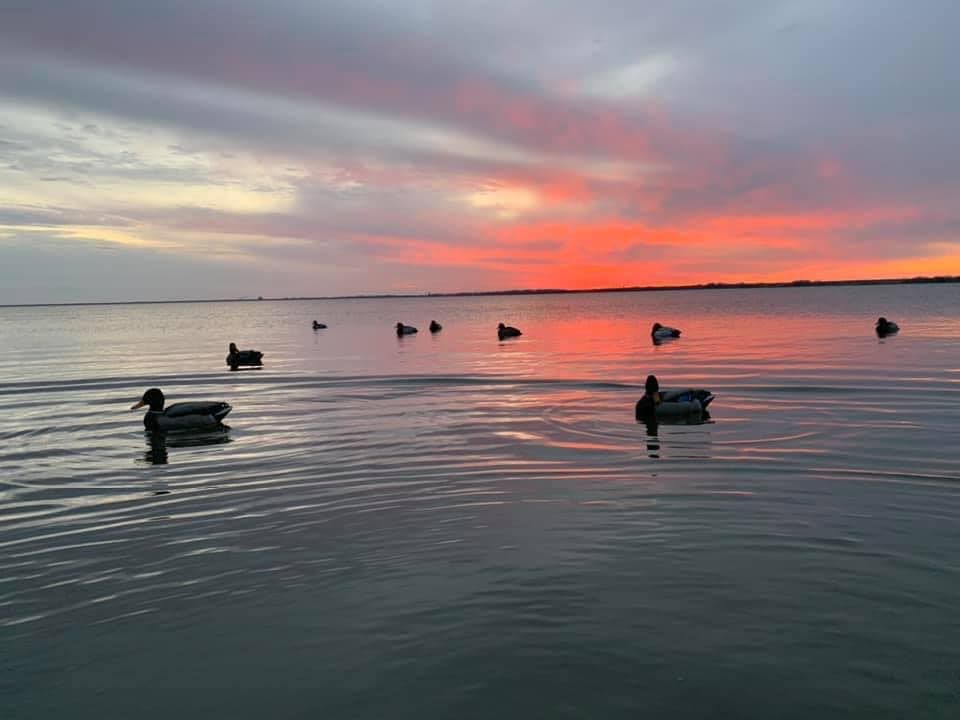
(541, 291)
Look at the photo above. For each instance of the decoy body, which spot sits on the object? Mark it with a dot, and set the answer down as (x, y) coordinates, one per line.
(657, 404)
(661, 332)
(505, 331)
(198, 415)
(318, 325)
(405, 329)
(235, 357)
(435, 326)
(886, 327)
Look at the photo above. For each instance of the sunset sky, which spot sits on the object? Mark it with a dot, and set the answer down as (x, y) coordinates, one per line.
(225, 148)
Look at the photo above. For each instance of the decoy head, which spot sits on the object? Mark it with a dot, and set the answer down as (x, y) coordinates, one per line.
(651, 385)
(656, 326)
(152, 398)
(881, 321)
(399, 326)
(501, 326)
(233, 348)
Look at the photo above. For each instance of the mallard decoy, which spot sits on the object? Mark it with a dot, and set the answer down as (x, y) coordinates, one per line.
(235, 357)
(435, 326)
(405, 329)
(662, 332)
(671, 404)
(505, 331)
(180, 416)
(318, 325)
(886, 327)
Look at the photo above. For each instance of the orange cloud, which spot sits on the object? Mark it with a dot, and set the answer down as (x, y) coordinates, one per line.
(735, 248)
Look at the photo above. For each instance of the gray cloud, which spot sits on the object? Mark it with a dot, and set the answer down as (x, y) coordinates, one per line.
(57, 216)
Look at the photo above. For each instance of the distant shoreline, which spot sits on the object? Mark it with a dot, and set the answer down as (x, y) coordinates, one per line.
(539, 291)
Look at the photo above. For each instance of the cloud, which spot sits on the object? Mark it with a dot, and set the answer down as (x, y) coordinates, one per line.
(363, 146)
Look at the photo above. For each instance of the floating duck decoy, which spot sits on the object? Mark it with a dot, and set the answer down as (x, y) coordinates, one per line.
(236, 358)
(181, 416)
(318, 325)
(662, 332)
(435, 326)
(886, 327)
(405, 329)
(505, 331)
(659, 404)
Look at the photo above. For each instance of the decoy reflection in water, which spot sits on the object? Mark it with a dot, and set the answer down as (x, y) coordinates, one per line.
(196, 415)
(159, 440)
(236, 358)
(506, 331)
(886, 327)
(653, 436)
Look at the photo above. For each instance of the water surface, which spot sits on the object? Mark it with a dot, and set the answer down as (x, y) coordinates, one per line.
(453, 526)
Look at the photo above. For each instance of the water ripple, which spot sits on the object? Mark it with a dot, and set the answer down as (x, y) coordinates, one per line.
(470, 505)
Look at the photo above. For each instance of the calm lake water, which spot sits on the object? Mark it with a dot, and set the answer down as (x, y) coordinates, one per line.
(449, 526)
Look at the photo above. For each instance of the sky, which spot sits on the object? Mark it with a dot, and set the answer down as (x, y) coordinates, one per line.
(174, 149)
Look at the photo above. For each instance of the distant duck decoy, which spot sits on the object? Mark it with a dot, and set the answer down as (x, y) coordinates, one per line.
(662, 332)
(318, 325)
(435, 326)
(236, 358)
(678, 405)
(505, 331)
(405, 329)
(886, 327)
(181, 416)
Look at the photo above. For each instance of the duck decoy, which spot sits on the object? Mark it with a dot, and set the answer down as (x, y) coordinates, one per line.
(505, 331)
(318, 325)
(662, 332)
(181, 416)
(435, 326)
(236, 358)
(405, 329)
(657, 404)
(886, 327)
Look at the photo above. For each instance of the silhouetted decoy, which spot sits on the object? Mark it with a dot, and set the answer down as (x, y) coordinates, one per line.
(405, 329)
(180, 416)
(505, 331)
(235, 357)
(886, 327)
(662, 332)
(671, 404)
(435, 326)
(318, 325)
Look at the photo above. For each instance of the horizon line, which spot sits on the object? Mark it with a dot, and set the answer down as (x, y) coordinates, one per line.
(532, 291)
